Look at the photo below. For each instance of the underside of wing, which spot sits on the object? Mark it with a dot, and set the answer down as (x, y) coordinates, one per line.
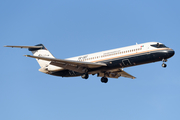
(116, 73)
(127, 75)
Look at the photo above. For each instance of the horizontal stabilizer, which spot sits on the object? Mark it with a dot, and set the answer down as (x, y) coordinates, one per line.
(24, 46)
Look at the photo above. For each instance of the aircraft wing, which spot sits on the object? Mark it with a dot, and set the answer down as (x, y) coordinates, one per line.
(79, 65)
(64, 63)
(116, 73)
(125, 74)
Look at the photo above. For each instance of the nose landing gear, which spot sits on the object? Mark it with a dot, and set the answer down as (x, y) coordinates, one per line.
(164, 65)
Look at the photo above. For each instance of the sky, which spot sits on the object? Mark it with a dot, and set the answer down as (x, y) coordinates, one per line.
(71, 28)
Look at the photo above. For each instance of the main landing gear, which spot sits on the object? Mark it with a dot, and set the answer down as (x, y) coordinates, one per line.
(104, 79)
(164, 65)
(85, 76)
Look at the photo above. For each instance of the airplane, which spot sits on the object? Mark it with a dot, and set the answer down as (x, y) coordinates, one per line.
(106, 64)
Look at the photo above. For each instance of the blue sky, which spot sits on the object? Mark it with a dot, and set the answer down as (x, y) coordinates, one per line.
(70, 28)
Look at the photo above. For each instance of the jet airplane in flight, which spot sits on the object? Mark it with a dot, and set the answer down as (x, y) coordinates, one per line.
(106, 64)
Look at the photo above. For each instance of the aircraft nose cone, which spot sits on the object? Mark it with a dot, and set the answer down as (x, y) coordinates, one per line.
(171, 52)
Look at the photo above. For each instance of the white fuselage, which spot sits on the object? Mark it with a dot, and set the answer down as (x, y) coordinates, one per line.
(108, 55)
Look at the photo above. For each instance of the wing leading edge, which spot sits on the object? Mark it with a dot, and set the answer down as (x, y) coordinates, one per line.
(72, 62)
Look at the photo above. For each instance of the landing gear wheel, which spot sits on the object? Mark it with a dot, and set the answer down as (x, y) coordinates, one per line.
(104, 80)
(85, 76)
(164, 65)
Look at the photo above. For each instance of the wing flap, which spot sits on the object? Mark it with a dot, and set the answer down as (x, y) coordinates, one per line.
(116, 73)
(127, 75)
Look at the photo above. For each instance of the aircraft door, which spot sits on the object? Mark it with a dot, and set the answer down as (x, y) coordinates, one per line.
(126, 62)
(148, 50)
(149, 56)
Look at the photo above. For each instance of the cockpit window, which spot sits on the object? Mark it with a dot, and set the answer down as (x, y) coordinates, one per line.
(159, 45)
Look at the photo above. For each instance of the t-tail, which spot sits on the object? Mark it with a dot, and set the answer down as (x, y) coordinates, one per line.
(42, 52)
(38, 50)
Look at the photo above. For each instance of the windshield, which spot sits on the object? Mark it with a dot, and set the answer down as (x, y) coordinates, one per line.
(159, 46)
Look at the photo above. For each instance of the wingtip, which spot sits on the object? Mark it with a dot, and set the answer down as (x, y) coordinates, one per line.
(8, 46)
(26, 55)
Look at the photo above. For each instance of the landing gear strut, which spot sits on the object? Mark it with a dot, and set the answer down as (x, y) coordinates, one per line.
(85, 76)
(164, 65)
(104, 79)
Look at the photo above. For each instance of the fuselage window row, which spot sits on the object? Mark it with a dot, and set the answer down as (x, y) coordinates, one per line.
(128, 51)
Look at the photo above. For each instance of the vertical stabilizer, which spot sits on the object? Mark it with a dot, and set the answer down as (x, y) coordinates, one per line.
(43, 52)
